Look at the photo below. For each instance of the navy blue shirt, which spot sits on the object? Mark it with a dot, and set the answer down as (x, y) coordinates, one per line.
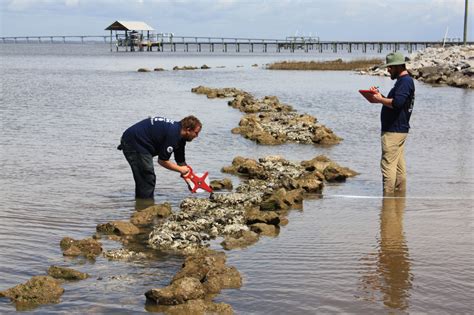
(157, 136)
(397, 119)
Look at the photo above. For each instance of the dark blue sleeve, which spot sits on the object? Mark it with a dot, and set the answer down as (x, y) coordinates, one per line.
(402, 92)
(179, 154)
(164, 153)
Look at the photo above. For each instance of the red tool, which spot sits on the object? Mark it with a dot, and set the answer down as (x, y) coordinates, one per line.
(196, 182)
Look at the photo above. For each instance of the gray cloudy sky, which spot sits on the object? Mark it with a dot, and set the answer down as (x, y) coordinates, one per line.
(328, 19)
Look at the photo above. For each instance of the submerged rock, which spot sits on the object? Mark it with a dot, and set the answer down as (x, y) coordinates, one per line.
(120, 228)
(36, 291)
(221, 184)
(89, 248)
(123, 254)
(66, 273)
(210, 269)
(331, 171)
(241, 240)
(150, 214)
(178, 292)
(195, 307)
(265, 229)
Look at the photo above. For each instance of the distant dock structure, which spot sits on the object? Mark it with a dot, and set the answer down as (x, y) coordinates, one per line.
(139, 36)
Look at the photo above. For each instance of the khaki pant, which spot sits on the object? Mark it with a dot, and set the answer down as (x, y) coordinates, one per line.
(392, 163)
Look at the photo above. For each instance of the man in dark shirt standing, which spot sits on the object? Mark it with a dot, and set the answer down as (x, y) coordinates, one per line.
(157, 136)
(395, 117)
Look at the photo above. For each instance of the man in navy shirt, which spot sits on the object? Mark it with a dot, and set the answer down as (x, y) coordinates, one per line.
(395, 117)
(157, 136)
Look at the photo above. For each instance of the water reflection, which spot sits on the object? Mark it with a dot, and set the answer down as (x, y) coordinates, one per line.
(387, 272)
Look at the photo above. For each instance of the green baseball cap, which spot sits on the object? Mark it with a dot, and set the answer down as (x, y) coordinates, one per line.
(394, 59)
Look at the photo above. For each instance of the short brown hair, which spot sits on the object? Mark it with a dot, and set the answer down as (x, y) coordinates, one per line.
(190, 122)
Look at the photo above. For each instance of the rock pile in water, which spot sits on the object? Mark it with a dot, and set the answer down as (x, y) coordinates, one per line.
(452, 66)
(268, 121)
(273, 185)
(203, 274)
(276, 128)
(217, 93)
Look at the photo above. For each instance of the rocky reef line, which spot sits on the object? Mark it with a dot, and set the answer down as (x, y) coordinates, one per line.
(268, 121)
(453, 66)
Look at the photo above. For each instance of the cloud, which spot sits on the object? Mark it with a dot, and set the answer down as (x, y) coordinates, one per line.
(329, 19)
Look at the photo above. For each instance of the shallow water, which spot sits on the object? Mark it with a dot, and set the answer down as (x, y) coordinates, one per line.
(64, 107)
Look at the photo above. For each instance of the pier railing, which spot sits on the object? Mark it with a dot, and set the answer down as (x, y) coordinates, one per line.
(231, 44)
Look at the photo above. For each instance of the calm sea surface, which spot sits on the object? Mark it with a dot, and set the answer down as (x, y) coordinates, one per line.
(63, 109)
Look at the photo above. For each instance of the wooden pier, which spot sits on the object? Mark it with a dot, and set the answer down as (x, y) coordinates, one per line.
(170, 43)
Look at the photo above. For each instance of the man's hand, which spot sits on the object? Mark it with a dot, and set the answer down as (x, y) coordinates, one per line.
(184, 170)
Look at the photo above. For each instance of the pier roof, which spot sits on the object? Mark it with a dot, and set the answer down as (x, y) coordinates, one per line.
(129, 26)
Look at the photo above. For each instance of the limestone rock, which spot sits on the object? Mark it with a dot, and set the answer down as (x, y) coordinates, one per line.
(178, 292)
(195, 307)
(332, 171)
(245, 239)
(185, 68)
(451, 65)
(150, 214)
(265, 229)
(66, 273)
(217, 93)
(221, 184)
(38, 290)
(118, 228)
(90, 248)
(254, 215)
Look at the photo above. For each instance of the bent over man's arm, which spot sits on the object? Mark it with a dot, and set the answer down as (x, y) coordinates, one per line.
(173, 166)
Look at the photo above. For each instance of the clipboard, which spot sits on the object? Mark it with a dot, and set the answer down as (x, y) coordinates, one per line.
(368, 95)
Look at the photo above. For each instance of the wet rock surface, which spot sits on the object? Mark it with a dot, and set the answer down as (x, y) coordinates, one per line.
(247, 103)
(124, 254)
(185, 68)
(89, 248)
(278, 128)
(151, 214)
(36, 291)
(66, 273)
(195, 307)
(120, 228)
(203, 274)
(217, 93)
(268, 121)
(453, 66)
(221, 184)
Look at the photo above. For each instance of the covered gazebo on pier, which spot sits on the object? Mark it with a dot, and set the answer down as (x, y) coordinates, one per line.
(130, 34)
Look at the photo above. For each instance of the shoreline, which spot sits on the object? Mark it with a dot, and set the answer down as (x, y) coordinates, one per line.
(451, 66)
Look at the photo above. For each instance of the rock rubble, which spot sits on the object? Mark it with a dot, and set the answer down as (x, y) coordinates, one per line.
(453, 66)
(272, 184)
